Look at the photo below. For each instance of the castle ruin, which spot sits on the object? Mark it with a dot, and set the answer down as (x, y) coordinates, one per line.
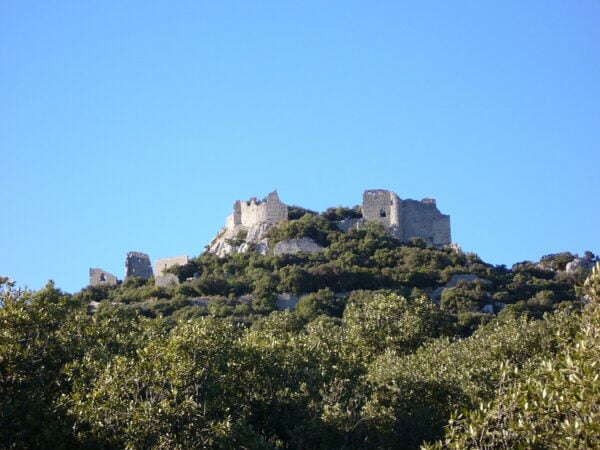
(403, 219)
(254, 212)
(137, 264)
(247, 225)
(160, 265)
(100, 277)
(406, 219)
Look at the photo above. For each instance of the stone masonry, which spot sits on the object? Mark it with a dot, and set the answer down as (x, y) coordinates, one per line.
(102, 277)
(247, 225)
(138, 264)
(255, 212)
(161, 264)
(407, 219)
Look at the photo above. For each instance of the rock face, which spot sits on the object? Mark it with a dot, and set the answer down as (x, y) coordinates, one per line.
(286, 301)
(100, 277)
(248, 224)
(469, 278)
(166, 280)
(584, 263)
(294, 246)
(137, 264)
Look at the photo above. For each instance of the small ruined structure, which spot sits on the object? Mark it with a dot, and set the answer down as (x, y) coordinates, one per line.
(160, 265)
(164, 263)
(137, 264)
(102, 277)
(248, 224)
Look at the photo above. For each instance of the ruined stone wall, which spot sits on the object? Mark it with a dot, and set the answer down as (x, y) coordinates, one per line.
(137, 264)
(99, 277)
(269, 210)
(350, 224)
(405, 219)
(381, 206)
(424, 220)
(441, 230)
(235, 218)
(161, 264)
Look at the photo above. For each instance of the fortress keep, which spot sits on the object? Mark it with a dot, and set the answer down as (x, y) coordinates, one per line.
(407, 219)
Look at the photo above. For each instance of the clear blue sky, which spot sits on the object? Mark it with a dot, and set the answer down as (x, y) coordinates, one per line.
(135, 125)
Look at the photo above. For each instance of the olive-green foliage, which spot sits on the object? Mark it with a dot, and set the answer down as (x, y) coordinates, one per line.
(414, 395)
(341, 213)
(381, 322)
(322, 302)
(358, 260)
(315, 227)
(367, 360)
(388, 372)
(554, 403)
(40, 334)
(172, 392)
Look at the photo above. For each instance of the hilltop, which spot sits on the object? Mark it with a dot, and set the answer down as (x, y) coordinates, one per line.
(273, 256)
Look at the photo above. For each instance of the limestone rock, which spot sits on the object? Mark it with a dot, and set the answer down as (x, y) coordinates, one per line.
(166, 280)
(286, 301)
(294, 246)
(469, 278)
(488, 309)
(585, 263)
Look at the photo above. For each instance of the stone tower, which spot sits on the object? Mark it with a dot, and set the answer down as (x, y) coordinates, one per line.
(407, 219)
(137, 264)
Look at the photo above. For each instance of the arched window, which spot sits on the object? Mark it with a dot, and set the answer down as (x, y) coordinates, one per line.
(382, 213)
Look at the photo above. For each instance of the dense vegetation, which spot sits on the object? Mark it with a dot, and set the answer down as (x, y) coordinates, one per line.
(367, 359)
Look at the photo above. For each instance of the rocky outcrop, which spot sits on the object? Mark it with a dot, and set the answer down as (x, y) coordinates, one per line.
(294, 246)
(166, 280)
(584, 263)
(468, 278)
(286, 301)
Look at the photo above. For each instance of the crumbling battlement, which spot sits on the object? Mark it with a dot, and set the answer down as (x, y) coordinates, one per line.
(248, 225)
(269, 210)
